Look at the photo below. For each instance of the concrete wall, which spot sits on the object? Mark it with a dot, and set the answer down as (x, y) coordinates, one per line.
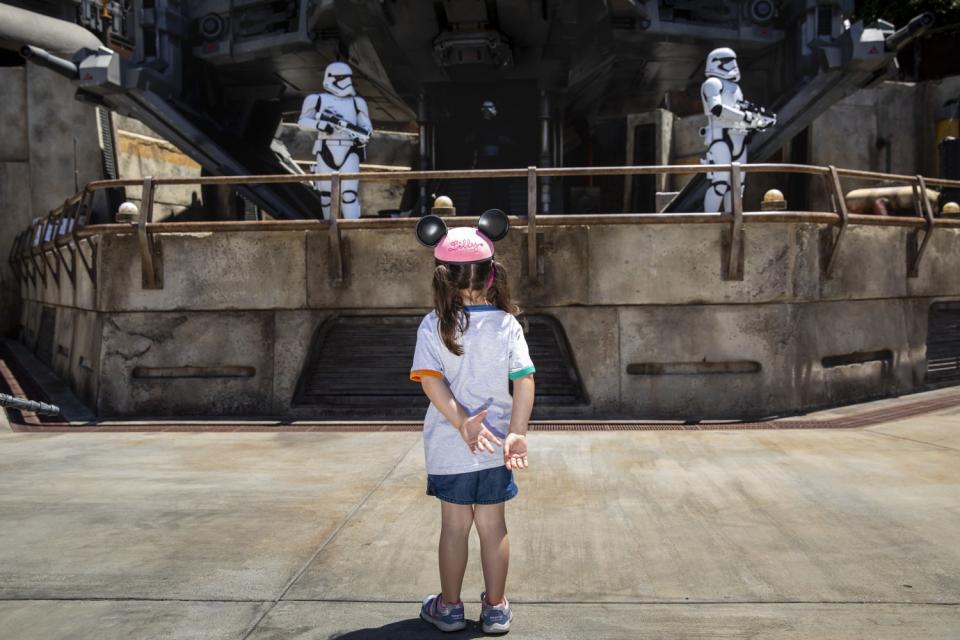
(142, 153)
(239, 309)
(48, 146)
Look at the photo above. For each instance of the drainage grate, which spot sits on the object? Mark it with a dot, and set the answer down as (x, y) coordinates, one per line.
(943, 343)
(363, 363)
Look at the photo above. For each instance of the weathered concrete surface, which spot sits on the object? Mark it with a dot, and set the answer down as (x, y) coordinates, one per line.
(113, 620)
(731, 534)
(49, 146)
(14, 197)
(806, 534)
(292, 330)
(261, 270)
(136, 348)
(192, 517)
(669, 264)
(139, 156)
(723, 516)
(391, 621)
(662, 282)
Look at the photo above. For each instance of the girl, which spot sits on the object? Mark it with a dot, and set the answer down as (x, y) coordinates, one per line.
(468, 348)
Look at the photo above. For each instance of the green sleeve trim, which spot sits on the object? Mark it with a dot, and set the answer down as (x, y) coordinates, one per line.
(522, 372)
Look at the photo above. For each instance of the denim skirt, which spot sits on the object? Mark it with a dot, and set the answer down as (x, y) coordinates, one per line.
(489, 486)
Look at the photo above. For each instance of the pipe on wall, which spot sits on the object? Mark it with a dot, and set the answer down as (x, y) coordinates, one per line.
(20, 27)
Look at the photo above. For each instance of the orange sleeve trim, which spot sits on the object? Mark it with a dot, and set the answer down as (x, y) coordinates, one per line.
(419, 374)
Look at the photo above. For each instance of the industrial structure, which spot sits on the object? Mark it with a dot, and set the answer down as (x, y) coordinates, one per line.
(637, 303)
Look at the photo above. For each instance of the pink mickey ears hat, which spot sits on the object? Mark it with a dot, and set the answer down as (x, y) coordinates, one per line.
(463, 245)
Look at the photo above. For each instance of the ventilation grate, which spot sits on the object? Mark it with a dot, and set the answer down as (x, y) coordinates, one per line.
(943, 343)
(362, 363)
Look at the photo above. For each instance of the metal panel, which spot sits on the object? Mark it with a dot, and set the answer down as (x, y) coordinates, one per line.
(943, 342)
(46, 334)
(363, 362)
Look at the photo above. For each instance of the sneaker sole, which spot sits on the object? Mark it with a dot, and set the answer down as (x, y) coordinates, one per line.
(497, 627)
(444, 626)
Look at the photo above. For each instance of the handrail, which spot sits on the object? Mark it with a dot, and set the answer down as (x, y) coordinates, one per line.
(62, 226)
(556, 172)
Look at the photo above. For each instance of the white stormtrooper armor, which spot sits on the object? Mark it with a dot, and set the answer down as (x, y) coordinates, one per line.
(730, 120)
(343, 127)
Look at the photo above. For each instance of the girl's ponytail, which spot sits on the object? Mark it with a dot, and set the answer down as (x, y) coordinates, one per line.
(498, 294)
(449, 306)
(448, 282)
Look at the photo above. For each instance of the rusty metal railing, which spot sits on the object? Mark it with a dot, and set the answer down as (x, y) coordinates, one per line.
(57, 241)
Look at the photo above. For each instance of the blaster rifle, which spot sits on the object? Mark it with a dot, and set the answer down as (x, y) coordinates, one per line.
(758, 114)
(334, 120)
(28, 405)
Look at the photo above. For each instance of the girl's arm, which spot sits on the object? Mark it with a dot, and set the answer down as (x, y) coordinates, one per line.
(522, 404)
(471, 428)
(515, 444)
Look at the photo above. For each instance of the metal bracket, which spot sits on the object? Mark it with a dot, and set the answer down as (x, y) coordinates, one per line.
(50, 226)
(541, 248)
(26, 261)
(923, 205)
(534, 263)
(36, 240)
(83, 209)
(13, 259)
(89, 267)
(841, 205)
(334, 240)
(151, 255)
(732, 240)
(69, 267)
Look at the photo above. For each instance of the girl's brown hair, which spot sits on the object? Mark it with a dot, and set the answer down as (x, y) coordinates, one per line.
(449, 279)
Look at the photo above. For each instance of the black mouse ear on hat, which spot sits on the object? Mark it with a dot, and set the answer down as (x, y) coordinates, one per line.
(430, 230)
(494, 224)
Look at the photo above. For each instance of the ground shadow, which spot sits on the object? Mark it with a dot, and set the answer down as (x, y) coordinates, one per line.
(411, 629)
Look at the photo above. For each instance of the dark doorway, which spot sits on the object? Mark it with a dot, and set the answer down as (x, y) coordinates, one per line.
(468, 136)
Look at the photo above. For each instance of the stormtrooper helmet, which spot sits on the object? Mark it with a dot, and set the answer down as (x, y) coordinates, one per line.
(488, 110)
(338, 80)
(722, 63)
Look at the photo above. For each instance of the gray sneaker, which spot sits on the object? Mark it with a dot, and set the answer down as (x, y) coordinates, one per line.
(495, 618)
(446, 617)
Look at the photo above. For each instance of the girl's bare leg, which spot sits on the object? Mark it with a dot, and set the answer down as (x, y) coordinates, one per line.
(494, 548)
(455, 523)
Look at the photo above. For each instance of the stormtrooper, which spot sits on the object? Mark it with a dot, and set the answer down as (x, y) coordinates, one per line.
(731, 121)
(343, 127)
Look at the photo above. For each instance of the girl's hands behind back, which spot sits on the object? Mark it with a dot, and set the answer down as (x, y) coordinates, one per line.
(476, 434)
(515, 451)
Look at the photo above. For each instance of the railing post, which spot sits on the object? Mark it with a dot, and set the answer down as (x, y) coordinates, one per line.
(64, 219)
(26, 260)
(335, 241)
(734, 266)
(927, 210)
(83, 211)
(841, 204)
(13, 258)
(36, 249)
(151, 266)
(50, 226)
(533, 271)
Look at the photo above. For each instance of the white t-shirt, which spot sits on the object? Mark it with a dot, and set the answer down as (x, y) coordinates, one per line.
(494, 352)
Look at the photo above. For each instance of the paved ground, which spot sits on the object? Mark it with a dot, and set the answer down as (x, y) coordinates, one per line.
(721, 534)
